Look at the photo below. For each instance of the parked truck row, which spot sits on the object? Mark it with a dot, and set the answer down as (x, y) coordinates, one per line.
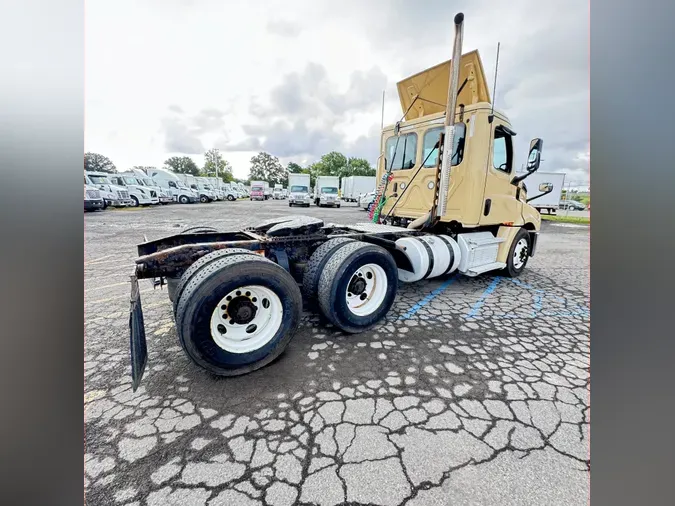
(150, 187)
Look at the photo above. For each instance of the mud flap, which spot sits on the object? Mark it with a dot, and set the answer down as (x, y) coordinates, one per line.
(137, 343)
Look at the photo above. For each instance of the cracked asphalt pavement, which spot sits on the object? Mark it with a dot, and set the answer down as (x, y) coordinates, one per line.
(473, 391)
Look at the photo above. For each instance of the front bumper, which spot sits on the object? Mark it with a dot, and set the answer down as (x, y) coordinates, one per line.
(119, 202)
(93, 204)
(329, 202)
(165, 200)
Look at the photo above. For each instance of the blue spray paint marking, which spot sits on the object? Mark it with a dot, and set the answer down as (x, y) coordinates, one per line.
(491, 288)
(413, 310)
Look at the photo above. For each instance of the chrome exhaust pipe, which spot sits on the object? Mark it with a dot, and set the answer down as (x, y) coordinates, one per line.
(451, 106)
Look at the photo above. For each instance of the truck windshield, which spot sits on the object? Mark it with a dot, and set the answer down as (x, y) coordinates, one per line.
(257, 188)
(328, 190)
(131, 180)
(298, 189)
(99, 179)
(148, 181)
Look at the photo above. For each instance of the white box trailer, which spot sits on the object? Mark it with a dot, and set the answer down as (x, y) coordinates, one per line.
(354, 187)
(551, 201)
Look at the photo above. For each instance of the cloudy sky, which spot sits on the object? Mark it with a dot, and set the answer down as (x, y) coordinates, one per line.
(299, 78)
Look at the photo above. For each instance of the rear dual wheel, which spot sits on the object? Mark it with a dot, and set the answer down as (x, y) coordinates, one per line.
(356, 285)
(236, 312)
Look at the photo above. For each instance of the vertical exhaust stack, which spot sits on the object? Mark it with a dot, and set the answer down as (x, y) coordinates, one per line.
(451, 106)
(449, 135)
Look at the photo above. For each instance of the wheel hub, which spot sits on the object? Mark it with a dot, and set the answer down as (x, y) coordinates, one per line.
(241, 310)
(357, 285)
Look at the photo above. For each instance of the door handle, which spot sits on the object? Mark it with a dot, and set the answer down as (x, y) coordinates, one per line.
(395, 187)
(488, 205)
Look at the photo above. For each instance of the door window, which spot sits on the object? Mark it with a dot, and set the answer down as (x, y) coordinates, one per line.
(502, 151)
(401, 152)
(430, 152)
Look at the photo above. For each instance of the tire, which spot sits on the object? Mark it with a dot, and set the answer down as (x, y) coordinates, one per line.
(306, 205)
(196, 266)
(203, 199)
(290, 205)
(338, 206)
(230, 198)
(134, 201)
(198, 317)
(316, 263)
(338, 274)
(105, 205)
(183, 199)
(512, 269)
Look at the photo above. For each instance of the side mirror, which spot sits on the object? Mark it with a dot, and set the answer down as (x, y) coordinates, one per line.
(101, 187)
(545, 187)
(534, 156)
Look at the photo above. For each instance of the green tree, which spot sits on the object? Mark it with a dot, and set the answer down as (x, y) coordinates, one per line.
(331, 164)
(359, 167)
(213, 159)
(99, 163)
(265, 167)
(294, 168)
(182, 165)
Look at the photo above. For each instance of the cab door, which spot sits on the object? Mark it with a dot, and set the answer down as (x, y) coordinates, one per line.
(499, 203)
(413, 164)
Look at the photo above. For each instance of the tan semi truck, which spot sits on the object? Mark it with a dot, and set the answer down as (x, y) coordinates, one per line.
(450, 202)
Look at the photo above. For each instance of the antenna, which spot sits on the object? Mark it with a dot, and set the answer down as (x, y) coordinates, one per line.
(382, 118)
(494, 87)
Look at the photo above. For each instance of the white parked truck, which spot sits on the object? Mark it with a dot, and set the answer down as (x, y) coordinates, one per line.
(278, 193)
(298, 186)
(92, 198)
(113, 195)
(140, 194)
(192, 182)
(354, 187)
(326, 191)
(550, 201)
(170, 182)
(165, 196)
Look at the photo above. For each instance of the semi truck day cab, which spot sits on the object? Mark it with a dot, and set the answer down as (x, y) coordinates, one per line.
(448, 200)
(113, 195)
(191, 181)
(164, 196)
(92, 198)
(298, 185)
(169, 181)
(326, 191)
(140, 194)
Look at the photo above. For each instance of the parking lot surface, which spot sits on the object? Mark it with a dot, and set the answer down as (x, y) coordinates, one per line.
(474, 391)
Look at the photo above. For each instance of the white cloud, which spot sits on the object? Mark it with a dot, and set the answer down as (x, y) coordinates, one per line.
(300, 78)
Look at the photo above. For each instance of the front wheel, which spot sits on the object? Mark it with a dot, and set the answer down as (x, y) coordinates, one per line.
(203, 199)
(134, 201)
(518, 255)
(290, 205)
(357, 286)
(237, 314)
(184, 199)
(230, 198)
